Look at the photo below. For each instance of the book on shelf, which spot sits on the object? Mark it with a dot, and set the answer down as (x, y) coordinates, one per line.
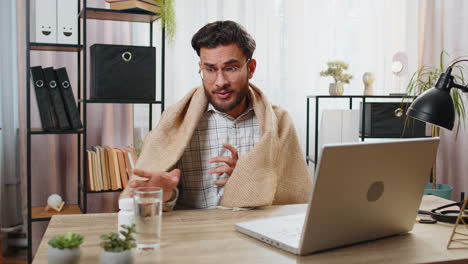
(100, 168)
(135, 5)
(122, 167)
(105, 168)
(91, 176)
(108, 168)
(97, 172)
(114, 171)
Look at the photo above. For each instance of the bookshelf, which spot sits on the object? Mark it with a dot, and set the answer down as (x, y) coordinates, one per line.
(37, 213)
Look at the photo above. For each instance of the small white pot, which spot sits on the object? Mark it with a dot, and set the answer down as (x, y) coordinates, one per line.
(124, 257)
(66, 255)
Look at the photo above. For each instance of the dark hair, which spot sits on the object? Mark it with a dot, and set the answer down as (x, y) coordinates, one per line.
(219, 33)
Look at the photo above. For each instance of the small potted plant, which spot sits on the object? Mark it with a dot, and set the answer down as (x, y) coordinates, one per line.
(118, 250)
(65, 249)
(336, 70)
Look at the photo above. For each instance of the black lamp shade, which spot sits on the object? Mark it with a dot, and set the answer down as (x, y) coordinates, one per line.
(434, 106)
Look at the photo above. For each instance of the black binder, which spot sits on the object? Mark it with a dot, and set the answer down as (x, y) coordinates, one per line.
(57, 102)
(68, 98)
(44, 104)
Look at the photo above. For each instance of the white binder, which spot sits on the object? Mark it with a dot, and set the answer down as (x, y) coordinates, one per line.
(44, 21)
(67, 22)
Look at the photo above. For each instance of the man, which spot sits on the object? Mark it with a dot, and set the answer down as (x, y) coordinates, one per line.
(224, 143)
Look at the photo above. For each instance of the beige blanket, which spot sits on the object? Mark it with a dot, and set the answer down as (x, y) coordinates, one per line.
(273, 172)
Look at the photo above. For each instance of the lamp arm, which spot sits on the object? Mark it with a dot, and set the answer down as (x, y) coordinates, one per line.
(464, 88)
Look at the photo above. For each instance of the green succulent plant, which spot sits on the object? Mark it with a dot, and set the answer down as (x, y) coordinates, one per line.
(336, 70)
(69, 240)
(113, 243)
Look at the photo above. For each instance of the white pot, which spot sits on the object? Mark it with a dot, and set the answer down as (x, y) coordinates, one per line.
(124, 257)
(336, 88)
(66, 255)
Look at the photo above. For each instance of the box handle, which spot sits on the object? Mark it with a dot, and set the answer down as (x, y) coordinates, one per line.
(398, 112)
(127, 56)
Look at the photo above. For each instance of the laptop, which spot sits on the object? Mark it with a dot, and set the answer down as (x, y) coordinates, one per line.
(363, 191)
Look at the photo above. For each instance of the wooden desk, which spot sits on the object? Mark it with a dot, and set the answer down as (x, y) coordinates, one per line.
(208, 236)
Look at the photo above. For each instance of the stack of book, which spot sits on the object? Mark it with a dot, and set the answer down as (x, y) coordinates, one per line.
(153, 6)
(109, 168)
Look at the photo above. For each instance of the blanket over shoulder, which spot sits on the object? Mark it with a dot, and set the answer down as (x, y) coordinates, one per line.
(273, 172)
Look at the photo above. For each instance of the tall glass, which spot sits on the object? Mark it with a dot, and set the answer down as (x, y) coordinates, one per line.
(148, 216)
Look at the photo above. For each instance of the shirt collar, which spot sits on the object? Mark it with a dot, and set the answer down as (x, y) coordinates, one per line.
(210, 108)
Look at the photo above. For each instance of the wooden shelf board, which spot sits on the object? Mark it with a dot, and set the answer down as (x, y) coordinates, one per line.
(105, 191)
(42, 131)
(119, 15)
(95, 101)
(54, 47)
(38, 212)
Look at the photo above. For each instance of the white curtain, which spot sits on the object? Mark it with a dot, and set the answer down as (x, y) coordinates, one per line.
(295, 39)
(10, 195)
(443, 28)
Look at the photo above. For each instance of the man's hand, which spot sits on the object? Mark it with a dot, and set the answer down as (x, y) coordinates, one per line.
(166, 180)
(228, 168)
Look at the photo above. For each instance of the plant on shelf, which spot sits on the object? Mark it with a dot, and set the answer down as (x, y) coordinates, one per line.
(65, 248)
(425, 78)
(117, 249)
(336, 70)
(167, 17)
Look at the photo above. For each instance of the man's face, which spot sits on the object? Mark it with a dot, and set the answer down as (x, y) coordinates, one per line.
(227, 91)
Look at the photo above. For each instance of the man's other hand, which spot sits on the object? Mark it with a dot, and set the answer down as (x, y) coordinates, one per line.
(228, 168)
(166, 180)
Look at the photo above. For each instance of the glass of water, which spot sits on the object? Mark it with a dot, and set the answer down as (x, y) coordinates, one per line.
(148, 216)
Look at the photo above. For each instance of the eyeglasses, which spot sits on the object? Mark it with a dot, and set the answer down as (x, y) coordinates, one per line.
(230, 73)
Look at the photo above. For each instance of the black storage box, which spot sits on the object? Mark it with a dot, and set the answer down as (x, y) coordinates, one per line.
(387, 120)
(123, 72)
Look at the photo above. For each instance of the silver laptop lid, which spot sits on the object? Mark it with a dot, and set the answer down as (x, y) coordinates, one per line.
(365, 191)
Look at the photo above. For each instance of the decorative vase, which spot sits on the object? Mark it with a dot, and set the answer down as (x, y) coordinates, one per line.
(66, 255)
(124, 257)
(368, 78)
(336, 88)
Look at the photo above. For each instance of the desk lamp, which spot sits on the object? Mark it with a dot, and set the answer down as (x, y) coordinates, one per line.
(435, 106)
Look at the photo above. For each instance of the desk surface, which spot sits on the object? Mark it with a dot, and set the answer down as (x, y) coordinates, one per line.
(208, 236)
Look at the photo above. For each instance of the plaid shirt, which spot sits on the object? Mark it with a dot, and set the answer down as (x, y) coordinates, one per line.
(196, 188)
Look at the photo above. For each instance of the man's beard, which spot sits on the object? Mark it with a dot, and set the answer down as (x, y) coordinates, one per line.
(226, 108)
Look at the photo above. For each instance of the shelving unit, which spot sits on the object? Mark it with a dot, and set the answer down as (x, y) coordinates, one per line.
(36, 214)
(88, 13)
(351, 103)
